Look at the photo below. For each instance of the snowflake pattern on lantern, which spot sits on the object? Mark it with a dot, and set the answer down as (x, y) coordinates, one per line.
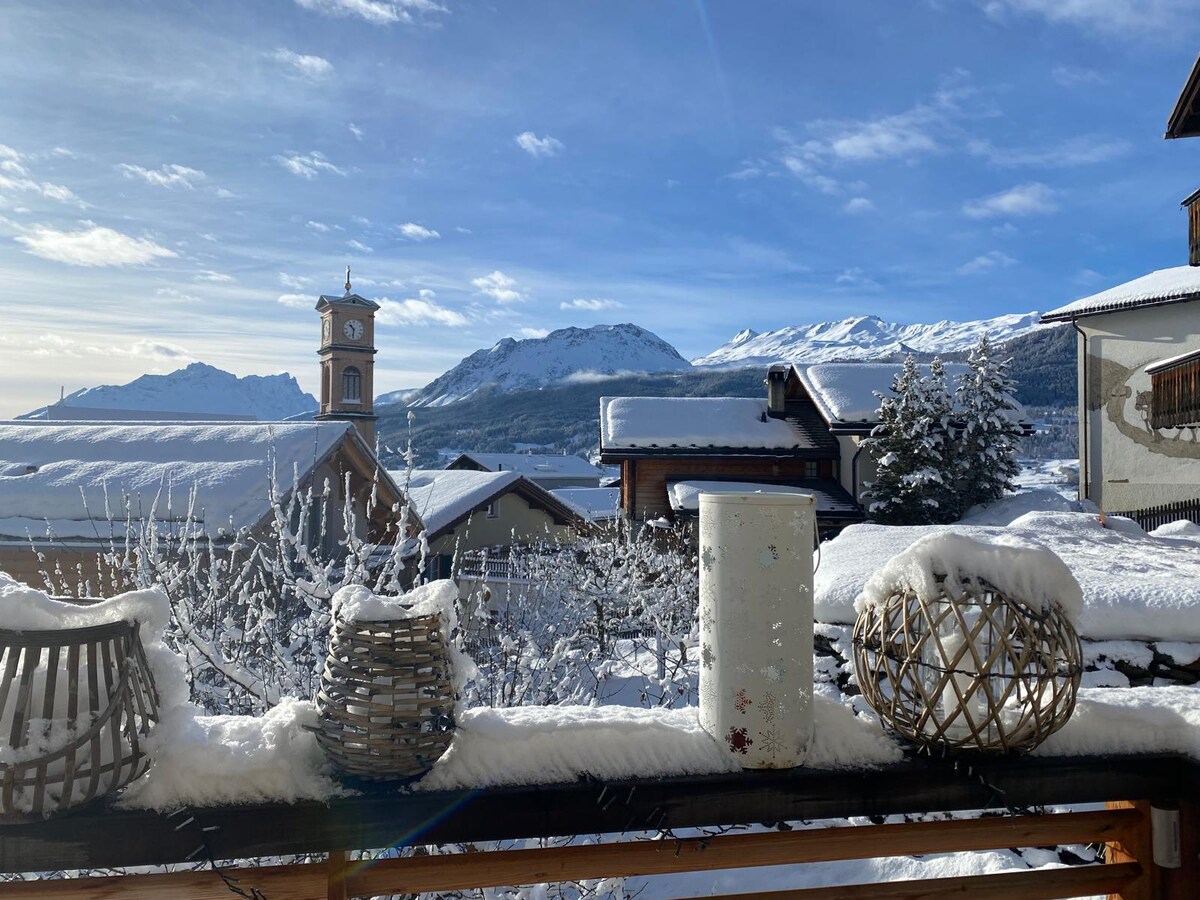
(708, 693)
(708, 558)
(768, 705)
(742, 701)
(708, 618)
(739, 740)
(772, 741)
(707, 657)
(773, 674)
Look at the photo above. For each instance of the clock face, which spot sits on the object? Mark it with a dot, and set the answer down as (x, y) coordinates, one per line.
(353, 329)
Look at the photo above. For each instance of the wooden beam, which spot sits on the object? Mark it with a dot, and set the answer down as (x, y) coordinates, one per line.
(335, 876)
(107, 837)
(466, 871)
(1038, 884)
(456, 872)
(1135, 847)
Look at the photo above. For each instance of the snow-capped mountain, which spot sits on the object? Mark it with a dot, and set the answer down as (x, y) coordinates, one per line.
(568, 354)
(199, 388)
(861, 338)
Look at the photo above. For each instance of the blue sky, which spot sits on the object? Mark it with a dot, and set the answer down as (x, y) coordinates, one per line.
(178, 181)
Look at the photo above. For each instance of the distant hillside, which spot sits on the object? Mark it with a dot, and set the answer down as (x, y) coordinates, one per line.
(578, 354)
(199, 388)
(568, 417)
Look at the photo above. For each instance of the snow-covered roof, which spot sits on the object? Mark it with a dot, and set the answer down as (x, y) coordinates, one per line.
(537, 466)
(442, 496)
(1164, 286)
(742, 423)
(591, 503)
(62, 474)
(845, 392)
(685, 495)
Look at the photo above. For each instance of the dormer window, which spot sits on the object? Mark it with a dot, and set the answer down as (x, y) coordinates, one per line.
(351, 385)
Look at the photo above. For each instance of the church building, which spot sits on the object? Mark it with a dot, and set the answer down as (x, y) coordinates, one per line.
(347, 356)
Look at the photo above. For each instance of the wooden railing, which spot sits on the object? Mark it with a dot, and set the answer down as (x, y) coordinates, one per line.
(111, 838)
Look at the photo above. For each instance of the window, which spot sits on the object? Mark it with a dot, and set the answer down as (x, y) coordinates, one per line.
(812, 468)
(351, 385)
(493, 509)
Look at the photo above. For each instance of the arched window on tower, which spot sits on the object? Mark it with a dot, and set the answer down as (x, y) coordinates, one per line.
(351, 385)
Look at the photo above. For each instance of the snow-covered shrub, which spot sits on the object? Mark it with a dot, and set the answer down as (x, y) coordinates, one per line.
(250, 610)
(616, 606)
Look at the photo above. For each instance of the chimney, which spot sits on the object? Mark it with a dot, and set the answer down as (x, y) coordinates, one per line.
(776, 379)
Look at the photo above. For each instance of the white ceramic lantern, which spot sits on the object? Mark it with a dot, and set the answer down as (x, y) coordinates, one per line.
(756, 625)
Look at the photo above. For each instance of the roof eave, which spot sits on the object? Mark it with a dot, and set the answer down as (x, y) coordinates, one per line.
(1057, 316)
(1177, 123)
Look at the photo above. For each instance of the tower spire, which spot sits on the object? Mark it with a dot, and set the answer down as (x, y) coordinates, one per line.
(347, 281)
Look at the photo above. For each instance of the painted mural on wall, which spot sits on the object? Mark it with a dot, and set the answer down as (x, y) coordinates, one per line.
(1124, 395)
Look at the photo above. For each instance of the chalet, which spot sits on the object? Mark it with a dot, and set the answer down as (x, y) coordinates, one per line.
(806, 435)
(596, 504)
(548, 470)
(65, 489)
(1139, 374)
(466, 512)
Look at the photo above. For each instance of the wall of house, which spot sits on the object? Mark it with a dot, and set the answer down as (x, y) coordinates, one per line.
(1130, 466)
(854, 475)
(515, 521)
(647, 478)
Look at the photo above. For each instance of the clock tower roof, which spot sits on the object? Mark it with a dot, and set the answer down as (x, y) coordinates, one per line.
(353, 300)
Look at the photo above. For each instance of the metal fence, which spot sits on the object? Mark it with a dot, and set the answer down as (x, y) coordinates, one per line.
(1154, 516)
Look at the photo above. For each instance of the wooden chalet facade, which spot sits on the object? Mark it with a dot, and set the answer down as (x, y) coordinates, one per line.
(661, 441)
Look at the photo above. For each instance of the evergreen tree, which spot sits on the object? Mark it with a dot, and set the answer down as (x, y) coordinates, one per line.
(991, 433)
(911, 448)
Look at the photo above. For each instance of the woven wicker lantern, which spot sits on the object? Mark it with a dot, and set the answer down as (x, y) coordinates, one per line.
(386, 700)
(950, 660)
(75, 704)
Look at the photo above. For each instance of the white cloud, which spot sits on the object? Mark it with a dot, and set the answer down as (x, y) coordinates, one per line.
(45, 188)
(415, 232)
(993, 259)
(168, 175)
(218, 277)
(534, 333)
(499, 287)
(539, 146)
(855, 277)
(56, 345)
(319, 227)
(92, 246)
(377, 12)
(308, 165)
(1113, 16)
(419, 310)
(1075, 151)
(225, 194)
(312, 67)
(296, 301)
(858, 205)
(295, 282)
(357, 132)
(1076, 76)
(592, 305)
(360, 247)
(1029, 199)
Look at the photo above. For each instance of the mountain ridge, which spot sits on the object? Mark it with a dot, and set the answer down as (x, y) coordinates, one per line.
(197, 388)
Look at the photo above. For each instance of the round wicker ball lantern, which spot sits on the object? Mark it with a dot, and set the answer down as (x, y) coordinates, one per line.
(971, 669)
(386, 700)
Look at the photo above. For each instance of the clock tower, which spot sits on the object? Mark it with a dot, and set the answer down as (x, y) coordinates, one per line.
(348, 360)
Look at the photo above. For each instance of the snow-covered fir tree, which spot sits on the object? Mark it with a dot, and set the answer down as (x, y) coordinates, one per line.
(912, 448)
(991, 434)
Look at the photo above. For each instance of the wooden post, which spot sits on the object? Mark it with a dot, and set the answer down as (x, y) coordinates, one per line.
(335, 873)
(1136, 846)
